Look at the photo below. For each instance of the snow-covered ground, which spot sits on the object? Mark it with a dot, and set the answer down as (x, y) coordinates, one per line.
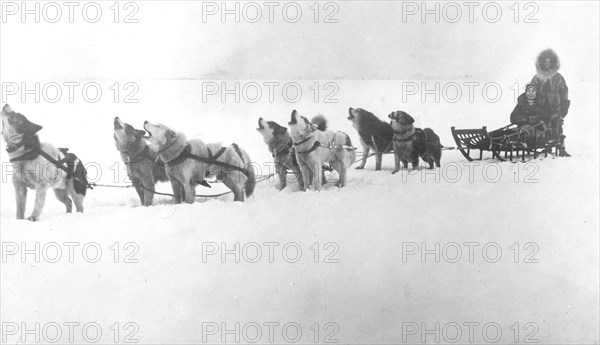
(479, 253)
(360, 276)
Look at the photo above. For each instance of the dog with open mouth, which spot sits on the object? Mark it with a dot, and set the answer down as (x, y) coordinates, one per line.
(189, 163)
(315, 145)
(375, 135)
(410, 143)
(40, 166)
(281, 146)
(143, 168)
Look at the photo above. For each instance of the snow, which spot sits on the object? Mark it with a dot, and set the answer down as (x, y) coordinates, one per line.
(161, 277)
(178, 289)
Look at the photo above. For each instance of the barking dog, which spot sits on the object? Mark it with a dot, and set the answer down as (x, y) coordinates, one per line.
(189, 163)
(141, 160)
(374, 135)
(33, 169)
(315, 146)
(411, 142)
(280, 145)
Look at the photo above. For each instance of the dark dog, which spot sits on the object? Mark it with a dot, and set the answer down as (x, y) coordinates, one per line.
(411, 142)
(281, 147)
(141, 160)
(33, 168)
(374, 134)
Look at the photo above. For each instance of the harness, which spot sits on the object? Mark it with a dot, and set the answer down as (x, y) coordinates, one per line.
(212, 159)
(318, 144)
(80, 185)
(405, 135)
(143, 155)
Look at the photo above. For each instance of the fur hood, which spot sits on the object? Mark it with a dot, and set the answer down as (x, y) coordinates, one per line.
(543, 73)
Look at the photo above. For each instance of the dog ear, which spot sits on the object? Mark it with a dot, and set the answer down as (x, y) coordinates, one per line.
(260, 126)
(277, 129)
(32, 127)
(139, 133)
(293, 117)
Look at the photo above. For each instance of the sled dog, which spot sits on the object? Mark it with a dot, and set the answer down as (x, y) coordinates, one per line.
(280, 145)
(375, 135)
(189, 162)
(143, 169)
(315, 145)
(33, 168)
(411, 142)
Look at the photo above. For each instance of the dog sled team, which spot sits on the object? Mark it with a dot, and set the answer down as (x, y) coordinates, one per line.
(160, 153)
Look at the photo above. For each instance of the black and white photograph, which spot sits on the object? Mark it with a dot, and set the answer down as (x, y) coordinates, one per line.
(382, 172)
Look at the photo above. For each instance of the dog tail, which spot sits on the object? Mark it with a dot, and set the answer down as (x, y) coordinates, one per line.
(320, 121)
(251, 181)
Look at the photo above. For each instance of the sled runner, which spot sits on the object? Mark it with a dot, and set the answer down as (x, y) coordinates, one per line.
(509, 142)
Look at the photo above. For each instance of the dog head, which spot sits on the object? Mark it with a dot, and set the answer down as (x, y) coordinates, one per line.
(300, 126)
(270, 130)
(354, 114)
(16, 128)
(160, 135)
(125, 135)
(400, 120)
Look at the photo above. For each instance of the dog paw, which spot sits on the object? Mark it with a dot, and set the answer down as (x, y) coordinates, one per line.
(359, 167)
(32, 219)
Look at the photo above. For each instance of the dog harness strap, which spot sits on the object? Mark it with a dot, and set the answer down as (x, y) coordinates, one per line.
(302, 142)
(26, 156)
(186, 153)
(285, 150)
(182, 156)
(314, 147)
(404, 136)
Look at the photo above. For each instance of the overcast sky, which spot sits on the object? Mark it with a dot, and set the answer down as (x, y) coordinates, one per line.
(371, 40)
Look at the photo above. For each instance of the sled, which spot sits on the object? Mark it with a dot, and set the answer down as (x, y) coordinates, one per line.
(509, 143)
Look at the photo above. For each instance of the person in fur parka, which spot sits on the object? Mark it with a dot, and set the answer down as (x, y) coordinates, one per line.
(553, 92)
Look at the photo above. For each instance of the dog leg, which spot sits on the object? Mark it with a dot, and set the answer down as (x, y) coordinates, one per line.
(428, 159)
(236, 188)
(189, 192)
(282, 173)
(378, 159)
(318, 174)
(396, 161)
(77, 198)
(63, 196)
(148, 191)
(177, 191)
(415, 161)
(21, 195)
(363, 161)
(40, 199)
(306, 175)
(139, 190)
(299, 178)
